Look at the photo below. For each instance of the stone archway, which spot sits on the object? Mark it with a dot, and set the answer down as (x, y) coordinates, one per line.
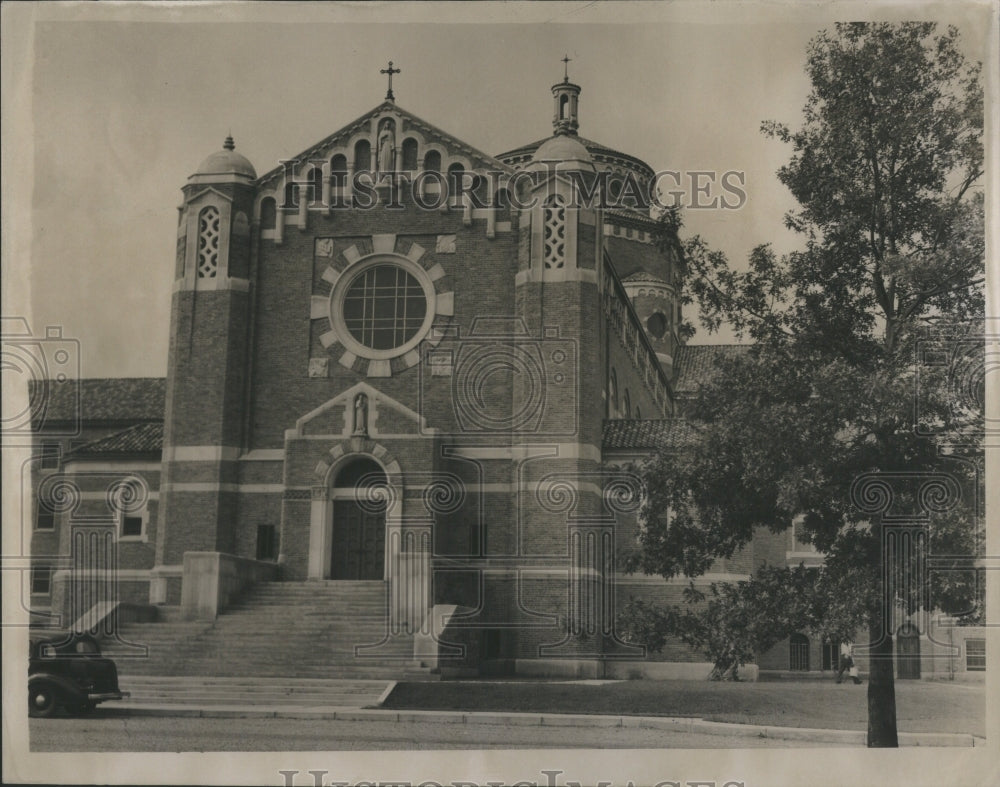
(355, 500)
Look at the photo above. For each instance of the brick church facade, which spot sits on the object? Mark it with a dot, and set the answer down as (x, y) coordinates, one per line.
(399, 368)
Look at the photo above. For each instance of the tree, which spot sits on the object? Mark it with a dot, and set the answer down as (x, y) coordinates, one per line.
(885, 169)
(733, 624)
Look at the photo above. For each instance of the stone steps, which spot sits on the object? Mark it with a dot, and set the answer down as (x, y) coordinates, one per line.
(314, 630)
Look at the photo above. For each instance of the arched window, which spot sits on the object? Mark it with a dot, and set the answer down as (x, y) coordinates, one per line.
(455, 175)
(268, 213)
(554, 235)
(208, 243)
(316, 184)
(362, 156)
(410, 154)
(627, 404)
(798, 652)
(291, 200)
(338, 171)
(432, 161)
(564, 107)
(613, 395)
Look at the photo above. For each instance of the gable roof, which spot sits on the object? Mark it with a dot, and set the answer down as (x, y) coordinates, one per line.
(694, 364)
(662, 433)
(321, 148)
(138, 439)
(97, 400)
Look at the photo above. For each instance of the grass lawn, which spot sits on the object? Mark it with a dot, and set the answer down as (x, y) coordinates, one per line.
(921, 706)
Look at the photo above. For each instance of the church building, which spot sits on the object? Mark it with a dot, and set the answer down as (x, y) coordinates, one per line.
(407, 385)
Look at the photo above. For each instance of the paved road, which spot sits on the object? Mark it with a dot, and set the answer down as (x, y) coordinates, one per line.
(108, 731)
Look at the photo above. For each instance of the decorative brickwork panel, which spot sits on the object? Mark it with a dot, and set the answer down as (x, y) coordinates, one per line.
(554, 228)
(208, 243)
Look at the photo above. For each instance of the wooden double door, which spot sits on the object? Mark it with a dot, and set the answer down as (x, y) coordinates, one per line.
(358, 548)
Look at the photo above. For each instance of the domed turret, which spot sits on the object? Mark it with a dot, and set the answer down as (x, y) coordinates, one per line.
(655, 302)
(564, 149)
(226, 165)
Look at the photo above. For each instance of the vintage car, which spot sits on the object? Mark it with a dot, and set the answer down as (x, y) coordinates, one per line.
(66, 670)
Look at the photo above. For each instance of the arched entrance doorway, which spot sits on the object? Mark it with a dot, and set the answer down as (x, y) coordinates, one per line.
(358, 538)
(908, 652)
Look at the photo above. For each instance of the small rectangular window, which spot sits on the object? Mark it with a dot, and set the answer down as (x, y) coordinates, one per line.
(132, 526)
(50, 455)
(41, 580)
(975, 655)
(267, 542)
(45, 517)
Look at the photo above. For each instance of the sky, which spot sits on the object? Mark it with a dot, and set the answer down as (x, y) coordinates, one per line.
(120, 105)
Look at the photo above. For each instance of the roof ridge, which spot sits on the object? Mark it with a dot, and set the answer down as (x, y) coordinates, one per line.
(387, 104)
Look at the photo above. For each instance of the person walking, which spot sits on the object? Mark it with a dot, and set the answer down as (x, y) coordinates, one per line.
(847, 663)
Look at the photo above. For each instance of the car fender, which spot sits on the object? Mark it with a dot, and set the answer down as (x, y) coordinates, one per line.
(67, 688)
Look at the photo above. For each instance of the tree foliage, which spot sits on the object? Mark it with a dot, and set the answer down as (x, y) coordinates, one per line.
(885, 168)
(733, 623)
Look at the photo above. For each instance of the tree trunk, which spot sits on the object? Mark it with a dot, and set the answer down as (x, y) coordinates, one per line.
(881, 691)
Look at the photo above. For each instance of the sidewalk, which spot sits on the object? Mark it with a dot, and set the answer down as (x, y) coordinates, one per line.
(672, 724)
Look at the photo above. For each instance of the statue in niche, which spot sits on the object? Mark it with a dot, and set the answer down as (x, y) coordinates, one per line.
(386, 153)
(361, 414)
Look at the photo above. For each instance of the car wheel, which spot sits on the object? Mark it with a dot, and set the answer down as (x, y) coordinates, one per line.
(43, 700)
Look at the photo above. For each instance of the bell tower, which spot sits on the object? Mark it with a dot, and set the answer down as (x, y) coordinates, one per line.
(566, 97)
(206, 364)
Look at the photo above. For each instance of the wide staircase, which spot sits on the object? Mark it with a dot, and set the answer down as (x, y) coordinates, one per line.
(331, 630)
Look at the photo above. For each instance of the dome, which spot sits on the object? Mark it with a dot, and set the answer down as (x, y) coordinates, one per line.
(566, 150)
(604, 158)
(562, 148)
(227, 162)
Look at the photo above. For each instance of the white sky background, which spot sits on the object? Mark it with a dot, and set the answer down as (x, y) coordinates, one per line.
(123, 112)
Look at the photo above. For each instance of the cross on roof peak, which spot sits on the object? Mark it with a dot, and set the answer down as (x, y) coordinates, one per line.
(566, 61)
(390, 71)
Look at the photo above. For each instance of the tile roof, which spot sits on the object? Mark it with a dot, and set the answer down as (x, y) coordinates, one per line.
(108, 399)
(665, 433)
(694, 364)
(138, 439)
